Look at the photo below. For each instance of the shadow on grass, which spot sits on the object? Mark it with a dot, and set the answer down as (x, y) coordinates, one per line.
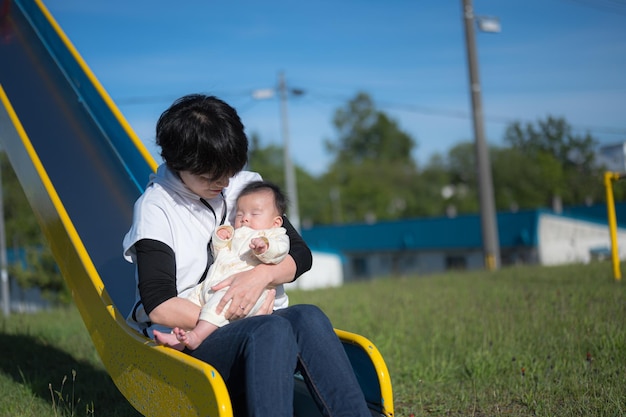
(38, 366)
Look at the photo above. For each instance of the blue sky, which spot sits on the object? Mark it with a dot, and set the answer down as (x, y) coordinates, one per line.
(565, 58)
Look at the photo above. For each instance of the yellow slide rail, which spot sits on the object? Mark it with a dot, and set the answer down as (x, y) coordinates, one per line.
(379, 365)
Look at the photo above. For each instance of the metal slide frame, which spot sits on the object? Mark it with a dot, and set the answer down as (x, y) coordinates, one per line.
(81, 167)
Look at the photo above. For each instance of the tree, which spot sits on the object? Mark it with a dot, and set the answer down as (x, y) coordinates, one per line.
(365, 133)
(21, 227)
(552, 140)
(522, 182)
(435, 189)
(461, 164)
(41, 271)
(553, 136)
(23, 232)
(268, 161)
(519, 181)
(312, 195)
(372, 175)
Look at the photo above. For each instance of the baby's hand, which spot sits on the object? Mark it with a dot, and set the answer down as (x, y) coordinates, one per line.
(223, 233)
(259, 245)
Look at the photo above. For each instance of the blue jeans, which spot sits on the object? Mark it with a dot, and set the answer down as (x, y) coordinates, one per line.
(257, 357)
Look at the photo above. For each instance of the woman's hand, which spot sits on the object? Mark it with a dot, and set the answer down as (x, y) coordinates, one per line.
(245, 290)
(268, 305)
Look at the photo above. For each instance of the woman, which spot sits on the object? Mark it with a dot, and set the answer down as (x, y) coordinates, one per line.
(204, 147)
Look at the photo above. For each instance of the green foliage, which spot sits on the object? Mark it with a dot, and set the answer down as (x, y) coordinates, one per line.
(522, 182)
(374, 190)
(462, 170)
(366, 134)
(23, 232)
(552, 136)
(21, 227)
(41, 271)
(268, 161)
(313, 198)
(568, 160)
(372, 174)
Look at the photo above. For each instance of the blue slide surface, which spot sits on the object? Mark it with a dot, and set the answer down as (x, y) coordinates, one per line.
(93, 162)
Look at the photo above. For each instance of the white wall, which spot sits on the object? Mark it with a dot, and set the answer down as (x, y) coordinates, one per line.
(565, 240)
(327, 271)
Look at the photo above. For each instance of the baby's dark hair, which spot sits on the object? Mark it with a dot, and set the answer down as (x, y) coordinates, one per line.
(203, 135)
(280, 200)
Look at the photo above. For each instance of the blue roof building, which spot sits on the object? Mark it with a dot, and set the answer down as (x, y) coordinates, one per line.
(428, 245)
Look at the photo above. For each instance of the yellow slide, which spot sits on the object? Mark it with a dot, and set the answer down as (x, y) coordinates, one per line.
(82, 167)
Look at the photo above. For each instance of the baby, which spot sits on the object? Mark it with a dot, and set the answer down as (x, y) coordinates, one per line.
(258, 237)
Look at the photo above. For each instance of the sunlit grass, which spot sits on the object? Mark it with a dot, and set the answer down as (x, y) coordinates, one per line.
(522, 341)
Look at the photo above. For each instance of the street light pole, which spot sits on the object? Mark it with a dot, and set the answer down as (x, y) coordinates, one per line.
(491, 246)
(290, 172)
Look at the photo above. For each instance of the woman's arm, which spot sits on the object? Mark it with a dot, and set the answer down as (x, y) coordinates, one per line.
(156, 270)
(298, 249)
(176, 312)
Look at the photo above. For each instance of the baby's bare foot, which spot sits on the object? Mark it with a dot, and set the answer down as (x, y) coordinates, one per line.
(189, 339)
(168, 339)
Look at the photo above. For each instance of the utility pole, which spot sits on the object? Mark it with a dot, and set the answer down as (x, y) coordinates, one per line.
(491, 245)
(293, 210)
(290, 173)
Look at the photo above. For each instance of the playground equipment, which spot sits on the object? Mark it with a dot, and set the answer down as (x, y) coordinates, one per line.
(82, 167)
(609, 178)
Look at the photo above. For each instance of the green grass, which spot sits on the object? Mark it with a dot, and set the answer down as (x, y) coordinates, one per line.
(524, 341)
(510, 343)
(49, 367)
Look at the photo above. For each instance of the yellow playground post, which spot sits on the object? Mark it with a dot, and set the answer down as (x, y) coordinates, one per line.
(609, 178)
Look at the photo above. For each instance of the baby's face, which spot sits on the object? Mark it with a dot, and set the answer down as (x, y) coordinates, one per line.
(257, 211)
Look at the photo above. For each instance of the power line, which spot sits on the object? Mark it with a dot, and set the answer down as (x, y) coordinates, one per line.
(459, 114)
(609, 6)
(384, 105)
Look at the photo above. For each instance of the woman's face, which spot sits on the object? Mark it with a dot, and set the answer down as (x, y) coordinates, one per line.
(203, 185)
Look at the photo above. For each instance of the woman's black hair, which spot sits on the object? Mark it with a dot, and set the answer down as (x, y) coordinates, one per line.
(203, 135)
